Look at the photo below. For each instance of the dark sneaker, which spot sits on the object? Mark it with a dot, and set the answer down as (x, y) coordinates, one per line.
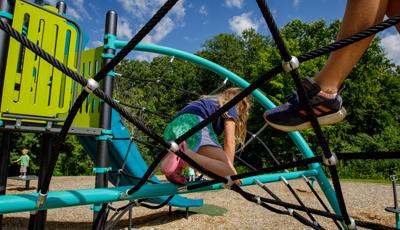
(292, 116)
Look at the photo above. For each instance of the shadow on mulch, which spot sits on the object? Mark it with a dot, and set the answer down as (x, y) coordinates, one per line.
(17, 223)
(154, 219)
(21, 188)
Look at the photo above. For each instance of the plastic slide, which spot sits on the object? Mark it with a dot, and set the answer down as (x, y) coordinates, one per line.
(135, 165)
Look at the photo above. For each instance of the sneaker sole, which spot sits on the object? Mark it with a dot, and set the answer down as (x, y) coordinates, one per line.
(325, 120)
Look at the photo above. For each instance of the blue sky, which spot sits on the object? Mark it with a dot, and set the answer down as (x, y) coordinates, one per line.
(191, 22)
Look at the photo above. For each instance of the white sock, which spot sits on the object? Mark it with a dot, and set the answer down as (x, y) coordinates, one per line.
(327, 95)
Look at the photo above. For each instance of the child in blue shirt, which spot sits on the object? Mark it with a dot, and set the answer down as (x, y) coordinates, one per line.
(204, 147)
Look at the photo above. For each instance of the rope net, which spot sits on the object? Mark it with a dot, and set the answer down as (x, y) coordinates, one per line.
(157, 140)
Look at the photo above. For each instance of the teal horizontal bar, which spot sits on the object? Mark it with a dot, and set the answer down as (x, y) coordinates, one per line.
(60, 199)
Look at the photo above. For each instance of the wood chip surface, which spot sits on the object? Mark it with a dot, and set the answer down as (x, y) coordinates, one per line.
(224, 209)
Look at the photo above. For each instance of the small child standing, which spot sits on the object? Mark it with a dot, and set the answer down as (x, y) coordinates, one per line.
(24, 159)
(191, 174)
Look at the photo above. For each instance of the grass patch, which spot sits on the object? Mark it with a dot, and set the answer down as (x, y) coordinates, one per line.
(210, 210)
(377, 181)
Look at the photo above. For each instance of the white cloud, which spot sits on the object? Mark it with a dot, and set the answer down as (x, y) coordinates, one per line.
(203, 10)
(179, 10)
(141, 11)
(296, 3)
(144, 9)
(239, 23)
(138, 8)
(73, 13)
(77, 9)
(79, 6)
(124, 30)
(391, 44)
(163, 29)
(234, 3)
(97, 43)
(160, 32)
(146, 56)
(51, 2)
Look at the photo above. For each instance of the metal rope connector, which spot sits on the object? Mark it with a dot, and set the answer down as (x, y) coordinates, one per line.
(284, 180)
(183, 189)
(124, 195)
(91, 85)
(257, 199)
(136, 202)
(174, 147)
(291, 65)
(41, 200)
(229, 183)
(258, 183)
(290, 211)
(352, 225)
(331, 161)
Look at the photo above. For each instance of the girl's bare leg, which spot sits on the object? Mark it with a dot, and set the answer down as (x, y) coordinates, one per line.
(359, 15)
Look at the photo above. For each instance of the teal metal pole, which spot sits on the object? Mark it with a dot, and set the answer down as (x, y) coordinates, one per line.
(257, 95)
(393, 178)
(60, 199)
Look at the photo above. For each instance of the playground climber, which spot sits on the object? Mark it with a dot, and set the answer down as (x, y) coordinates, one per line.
(324, 91)
(24, 162)
(204, 147)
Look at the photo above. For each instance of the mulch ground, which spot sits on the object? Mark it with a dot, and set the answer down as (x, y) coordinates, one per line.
(224, 209)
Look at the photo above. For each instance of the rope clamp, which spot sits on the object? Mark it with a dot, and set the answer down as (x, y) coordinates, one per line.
(101, 170)
(137, 204)
(258, 183)
(124, 195)
(257, 200)
(91, 85)
(41, 200)
(95, 208)
(331, 161)
(174, 147)
(183, 189)
(352, 224)
(290, 211)
(284, 180)
(5, 14)
(291, 65)
(229, 183)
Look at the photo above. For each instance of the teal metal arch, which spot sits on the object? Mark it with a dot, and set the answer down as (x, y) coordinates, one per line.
(257, 95)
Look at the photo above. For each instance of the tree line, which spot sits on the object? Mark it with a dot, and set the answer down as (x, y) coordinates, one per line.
(371, 98)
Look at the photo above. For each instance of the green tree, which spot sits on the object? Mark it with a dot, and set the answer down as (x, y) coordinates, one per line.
(371, 96)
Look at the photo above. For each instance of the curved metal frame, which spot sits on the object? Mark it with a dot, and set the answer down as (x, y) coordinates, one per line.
(257, 95)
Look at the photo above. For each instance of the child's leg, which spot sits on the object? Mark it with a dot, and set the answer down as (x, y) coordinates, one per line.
(393, 9)
(359, 15)
(220, 166)
(209, 151)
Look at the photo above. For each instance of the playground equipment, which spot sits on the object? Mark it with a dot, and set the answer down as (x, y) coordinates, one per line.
(41, 98)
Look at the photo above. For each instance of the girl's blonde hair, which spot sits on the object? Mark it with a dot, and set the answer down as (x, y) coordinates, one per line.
(243, 109)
